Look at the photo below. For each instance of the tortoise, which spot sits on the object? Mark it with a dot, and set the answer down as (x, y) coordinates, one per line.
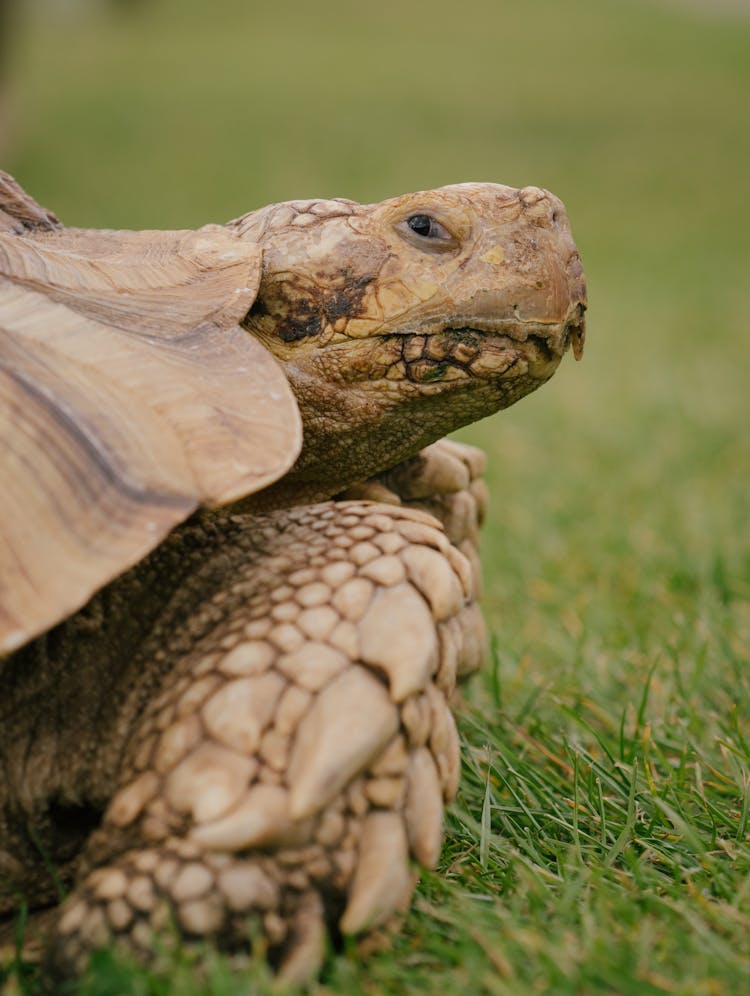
(239, 567)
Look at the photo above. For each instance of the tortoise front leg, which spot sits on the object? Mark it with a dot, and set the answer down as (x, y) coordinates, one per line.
(295, 761)
(445, 479)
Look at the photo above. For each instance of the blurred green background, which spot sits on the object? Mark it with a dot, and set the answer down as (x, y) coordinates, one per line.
(617, 551)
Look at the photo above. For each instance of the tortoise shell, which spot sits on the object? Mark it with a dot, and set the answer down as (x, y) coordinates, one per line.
(129, 396)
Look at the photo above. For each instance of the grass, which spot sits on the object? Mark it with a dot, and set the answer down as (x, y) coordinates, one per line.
(600, 840)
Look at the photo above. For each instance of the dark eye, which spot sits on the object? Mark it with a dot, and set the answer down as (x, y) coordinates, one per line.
(424, 225)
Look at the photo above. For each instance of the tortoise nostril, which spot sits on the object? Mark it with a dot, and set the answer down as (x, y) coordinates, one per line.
(531, 196)
(539, 205)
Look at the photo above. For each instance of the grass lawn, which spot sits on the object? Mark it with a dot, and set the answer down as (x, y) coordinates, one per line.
(600, 840)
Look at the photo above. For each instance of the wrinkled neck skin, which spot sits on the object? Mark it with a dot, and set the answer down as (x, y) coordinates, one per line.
(351, 434)
(399, 322)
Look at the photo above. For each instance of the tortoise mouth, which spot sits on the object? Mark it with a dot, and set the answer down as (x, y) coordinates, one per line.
(432, 357)
(554, 337)
(489, 349)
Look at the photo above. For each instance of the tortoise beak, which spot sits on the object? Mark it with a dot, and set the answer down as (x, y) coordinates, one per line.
(576, 332)
(528, 281)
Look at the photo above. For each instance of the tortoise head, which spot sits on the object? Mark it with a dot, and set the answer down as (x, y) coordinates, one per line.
(400, 321)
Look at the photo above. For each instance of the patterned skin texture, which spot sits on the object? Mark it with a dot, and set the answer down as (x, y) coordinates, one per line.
(253, 723)
(406, 335)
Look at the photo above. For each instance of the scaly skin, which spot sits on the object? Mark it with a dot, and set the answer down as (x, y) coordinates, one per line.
(345, 624)
(391, 340)
(253, 721)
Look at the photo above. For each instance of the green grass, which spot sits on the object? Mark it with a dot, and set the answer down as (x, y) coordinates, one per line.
(600, 840)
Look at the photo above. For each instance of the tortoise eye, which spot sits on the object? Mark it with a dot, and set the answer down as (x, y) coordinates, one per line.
(422, 224)
(427, 228)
